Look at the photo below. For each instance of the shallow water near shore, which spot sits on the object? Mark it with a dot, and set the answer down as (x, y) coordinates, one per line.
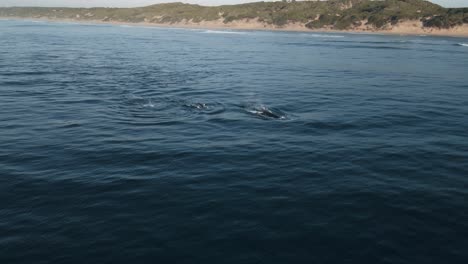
(133, 144)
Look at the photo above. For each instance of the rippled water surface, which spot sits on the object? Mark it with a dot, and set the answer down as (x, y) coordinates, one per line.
(148, 145)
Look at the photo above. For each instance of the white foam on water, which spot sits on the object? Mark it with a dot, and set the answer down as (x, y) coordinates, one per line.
(325, 36)
(463, 44)
(223, 32)
(149, 104)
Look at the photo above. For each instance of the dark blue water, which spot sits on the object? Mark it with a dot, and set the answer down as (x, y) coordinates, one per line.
(145, 145)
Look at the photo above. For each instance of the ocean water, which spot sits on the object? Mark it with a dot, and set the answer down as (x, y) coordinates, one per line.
(123, 144)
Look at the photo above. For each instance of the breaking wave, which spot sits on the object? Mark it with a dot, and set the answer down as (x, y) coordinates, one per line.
(223, 32)
(324, 36)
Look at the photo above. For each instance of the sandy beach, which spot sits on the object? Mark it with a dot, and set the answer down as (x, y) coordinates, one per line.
(402, 28)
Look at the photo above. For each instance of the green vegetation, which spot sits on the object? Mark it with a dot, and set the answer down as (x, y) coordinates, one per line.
(332, 14)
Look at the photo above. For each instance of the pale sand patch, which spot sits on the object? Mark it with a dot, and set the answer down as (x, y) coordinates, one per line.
(247, 24)
(416, 28)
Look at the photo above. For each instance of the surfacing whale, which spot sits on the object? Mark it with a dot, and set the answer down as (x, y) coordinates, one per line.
(267, 113)
(197, 105)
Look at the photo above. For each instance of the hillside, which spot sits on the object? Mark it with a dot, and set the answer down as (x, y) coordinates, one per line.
(330, 15)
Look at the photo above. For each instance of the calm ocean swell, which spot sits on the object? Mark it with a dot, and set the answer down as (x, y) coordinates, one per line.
(133, 144)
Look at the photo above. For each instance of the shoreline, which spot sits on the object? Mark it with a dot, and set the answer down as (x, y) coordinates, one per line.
(406, 28)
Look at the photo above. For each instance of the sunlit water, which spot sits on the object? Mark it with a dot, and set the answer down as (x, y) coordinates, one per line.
(149, 145)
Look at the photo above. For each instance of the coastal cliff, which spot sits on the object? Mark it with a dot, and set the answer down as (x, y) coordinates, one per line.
(387, 16)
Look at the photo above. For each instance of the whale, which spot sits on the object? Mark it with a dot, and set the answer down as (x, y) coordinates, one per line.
(264, 112)
(268, 113)
(197, 105)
